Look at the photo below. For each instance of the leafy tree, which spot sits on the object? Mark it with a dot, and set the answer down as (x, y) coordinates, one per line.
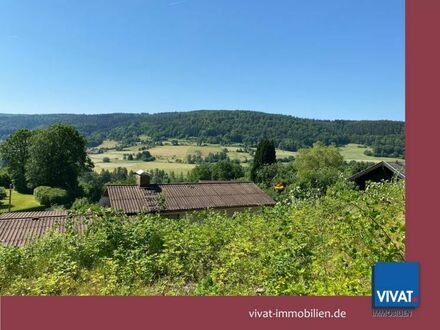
(319, 166)
(201, 172)
(81, 204)
(223, 170)
(268, 175)
(265, 155)
(145, 156)
(57, 157)
(14, 152)
(92, 184)
(227, 170)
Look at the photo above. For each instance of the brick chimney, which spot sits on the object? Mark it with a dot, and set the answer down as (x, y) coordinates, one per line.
(142, 179)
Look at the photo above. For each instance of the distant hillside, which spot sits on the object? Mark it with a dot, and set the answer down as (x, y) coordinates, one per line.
(223, 126)
(87, 124)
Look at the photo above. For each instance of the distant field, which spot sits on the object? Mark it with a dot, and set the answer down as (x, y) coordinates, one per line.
(20, 202)
(356, 152)
(168, 157)
(109, 144)
(140, 165)
(173, 158)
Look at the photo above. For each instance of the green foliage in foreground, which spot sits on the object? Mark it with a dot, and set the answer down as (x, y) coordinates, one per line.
(323, 246)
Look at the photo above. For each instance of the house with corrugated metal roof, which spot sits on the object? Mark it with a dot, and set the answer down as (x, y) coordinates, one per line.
(175, 199)
(382, 171)
(171, 200)
(20, 228)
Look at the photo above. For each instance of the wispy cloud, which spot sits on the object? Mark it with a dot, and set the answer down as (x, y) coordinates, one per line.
(12, 36)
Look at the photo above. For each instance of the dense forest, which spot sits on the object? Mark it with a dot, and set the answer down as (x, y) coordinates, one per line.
(224, 127)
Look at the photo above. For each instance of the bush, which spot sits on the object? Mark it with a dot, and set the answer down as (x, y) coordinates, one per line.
(81, 204)
(106, 160)
(145, 156)
(49, 196)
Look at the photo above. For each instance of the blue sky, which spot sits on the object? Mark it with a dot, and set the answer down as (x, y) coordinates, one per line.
(316, 58)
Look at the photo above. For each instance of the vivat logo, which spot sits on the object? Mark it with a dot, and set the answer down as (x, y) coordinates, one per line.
(396, 284)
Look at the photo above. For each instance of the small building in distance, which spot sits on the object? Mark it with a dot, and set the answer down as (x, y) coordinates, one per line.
(174, 199)
(382, 171)
(94, 151)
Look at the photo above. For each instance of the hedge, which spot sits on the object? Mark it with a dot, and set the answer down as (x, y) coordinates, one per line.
(49, 196)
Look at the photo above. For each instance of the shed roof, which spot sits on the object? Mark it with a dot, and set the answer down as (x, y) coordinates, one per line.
(397, 168)
(19, 228)
(180, 197)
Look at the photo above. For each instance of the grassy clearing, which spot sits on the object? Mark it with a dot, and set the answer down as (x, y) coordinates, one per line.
(356, 152)
(173, 157)
(137, 165)
(20, 202)
(168, 157)
(284, 153)
(109, 144)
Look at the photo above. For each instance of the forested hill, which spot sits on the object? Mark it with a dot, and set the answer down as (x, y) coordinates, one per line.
(87, 124)
(223, 126)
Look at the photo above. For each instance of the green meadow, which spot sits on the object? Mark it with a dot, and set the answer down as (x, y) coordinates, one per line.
(20, 202)
(173, 157)
(356, 152)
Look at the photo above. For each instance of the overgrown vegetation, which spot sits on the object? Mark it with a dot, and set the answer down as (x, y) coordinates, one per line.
(313, 246)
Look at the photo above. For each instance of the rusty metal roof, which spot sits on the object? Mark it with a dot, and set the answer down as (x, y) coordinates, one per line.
(19, 228)
(32, 214)
(186, 196)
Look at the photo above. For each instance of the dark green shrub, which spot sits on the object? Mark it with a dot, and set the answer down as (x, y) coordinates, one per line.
(5, 179)
(49, 196)
(3, 194)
